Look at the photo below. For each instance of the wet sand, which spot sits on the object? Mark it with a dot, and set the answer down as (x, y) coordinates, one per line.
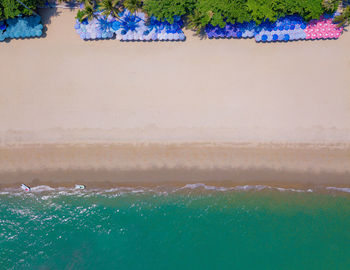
(108, 165)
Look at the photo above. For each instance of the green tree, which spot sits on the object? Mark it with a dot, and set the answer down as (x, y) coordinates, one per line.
(167, 9)
(198, 21)
(132, 5)
(87, 13)
(13, 8)
(110, 7)
(344, 18)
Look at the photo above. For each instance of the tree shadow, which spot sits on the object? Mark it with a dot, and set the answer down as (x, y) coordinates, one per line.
(47, 14)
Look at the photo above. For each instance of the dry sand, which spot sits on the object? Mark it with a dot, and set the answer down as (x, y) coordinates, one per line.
(288, 104)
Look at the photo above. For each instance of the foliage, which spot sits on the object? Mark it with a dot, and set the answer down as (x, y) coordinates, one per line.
(87, 13)
(344, 18)
(13, 8)
(132, 5)
(330, 5)
(310, 9)
(167, 9)
(199, 13)
(110, 7)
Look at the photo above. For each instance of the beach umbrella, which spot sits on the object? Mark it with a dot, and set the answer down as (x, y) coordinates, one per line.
(275, 37)
(93, 35)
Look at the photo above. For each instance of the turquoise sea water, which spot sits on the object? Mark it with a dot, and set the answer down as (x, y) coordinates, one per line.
(168, 228)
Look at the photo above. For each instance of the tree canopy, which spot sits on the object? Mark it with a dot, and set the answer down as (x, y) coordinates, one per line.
(12, 8)
(198, 13)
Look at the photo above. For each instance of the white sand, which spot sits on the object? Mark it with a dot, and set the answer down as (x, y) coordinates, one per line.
(62, 89)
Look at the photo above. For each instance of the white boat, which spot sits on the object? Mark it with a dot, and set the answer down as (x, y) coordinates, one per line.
(80, 187)
(25, 187)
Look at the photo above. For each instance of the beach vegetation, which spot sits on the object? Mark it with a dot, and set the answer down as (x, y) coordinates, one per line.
(12, 8)
(199, 13)
(110, 7)
(330, 5)
(344, 18)
(132, 5)
(88, 13)
(168, 9)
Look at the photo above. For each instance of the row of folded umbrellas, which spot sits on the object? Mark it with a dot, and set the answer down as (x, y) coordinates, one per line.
(130, 27)
(21, 27)
(134, 26)
(285, 29)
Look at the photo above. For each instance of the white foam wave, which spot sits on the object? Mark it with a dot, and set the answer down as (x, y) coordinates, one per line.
(344, 189)
(41, 188)
(50, 192)
(201, 185)
(240, 188)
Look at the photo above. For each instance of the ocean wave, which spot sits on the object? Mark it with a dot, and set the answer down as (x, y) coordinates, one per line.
(41, 188)
(344, 189)
(241, 188)
(47, 192)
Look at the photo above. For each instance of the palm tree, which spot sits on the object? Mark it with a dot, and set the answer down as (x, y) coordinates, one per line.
(20, 2)
(87, 13)
(330, 5)
(132, 5)
(110, 7)
(197, 21)
(344, 18)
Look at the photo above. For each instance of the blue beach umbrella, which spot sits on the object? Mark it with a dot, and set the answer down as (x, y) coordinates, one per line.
(264, 38)
(286, 37)
(275, 37)
(2, 26)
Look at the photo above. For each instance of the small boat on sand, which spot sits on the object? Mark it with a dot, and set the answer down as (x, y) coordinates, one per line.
(25, 187)
(80, 187)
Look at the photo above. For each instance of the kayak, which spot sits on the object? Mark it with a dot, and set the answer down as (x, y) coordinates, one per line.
(25, 188)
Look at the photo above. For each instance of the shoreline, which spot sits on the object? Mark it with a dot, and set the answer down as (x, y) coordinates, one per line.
(150, 164)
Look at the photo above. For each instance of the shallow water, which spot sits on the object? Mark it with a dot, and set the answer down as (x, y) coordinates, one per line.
(195, 227)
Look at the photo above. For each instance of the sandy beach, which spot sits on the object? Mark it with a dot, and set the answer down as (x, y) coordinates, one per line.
(232, 111)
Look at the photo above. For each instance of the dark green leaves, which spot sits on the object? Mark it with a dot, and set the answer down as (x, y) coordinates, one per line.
(167, 9)
(12, 8)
